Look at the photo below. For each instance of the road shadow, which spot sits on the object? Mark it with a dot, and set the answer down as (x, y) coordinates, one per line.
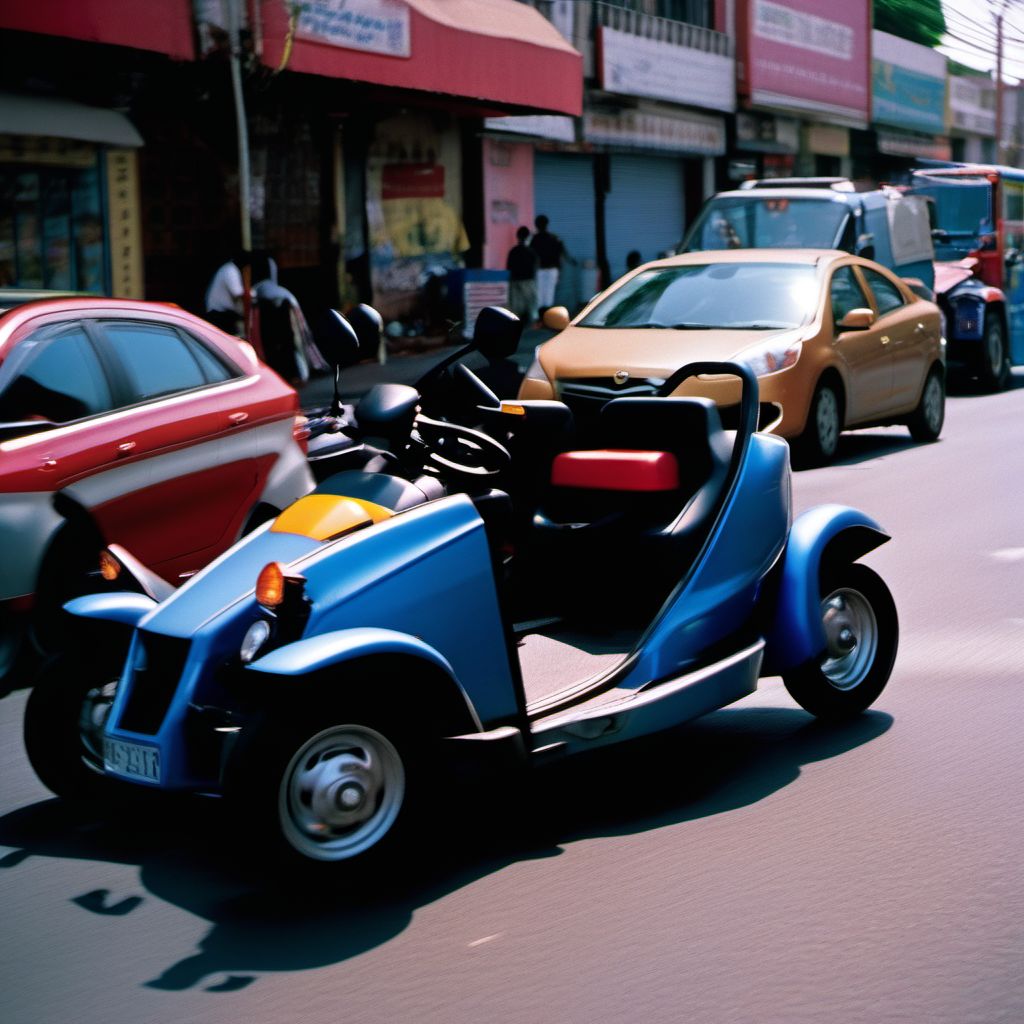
(865, 445)
(186, 857)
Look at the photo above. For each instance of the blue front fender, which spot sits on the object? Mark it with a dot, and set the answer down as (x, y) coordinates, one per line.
(315, 653)
(126, 607)
(827, 533)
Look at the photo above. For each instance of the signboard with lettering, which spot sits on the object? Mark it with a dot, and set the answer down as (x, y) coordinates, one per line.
(125, 230)
(696, 134)
(376, 26)
(807, 56)
(637, 66)
(908, 84)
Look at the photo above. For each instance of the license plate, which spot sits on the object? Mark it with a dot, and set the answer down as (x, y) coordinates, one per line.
(131, 759)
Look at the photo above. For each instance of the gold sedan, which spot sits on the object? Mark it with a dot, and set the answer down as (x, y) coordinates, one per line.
(837, 341)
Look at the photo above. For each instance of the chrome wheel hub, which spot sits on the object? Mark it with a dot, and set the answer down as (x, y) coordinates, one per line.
(827, 421)
(341, 792)
(93, 720)
(933, 403)
(851, 636)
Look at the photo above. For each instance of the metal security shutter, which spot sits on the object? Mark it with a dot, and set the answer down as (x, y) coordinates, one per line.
(644, 209)
(563, 190)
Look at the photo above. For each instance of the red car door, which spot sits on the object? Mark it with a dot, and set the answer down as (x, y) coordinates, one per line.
(185, 469)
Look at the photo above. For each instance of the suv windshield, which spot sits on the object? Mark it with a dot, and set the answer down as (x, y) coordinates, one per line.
(962, 212)
(767, 222)
(741, 296)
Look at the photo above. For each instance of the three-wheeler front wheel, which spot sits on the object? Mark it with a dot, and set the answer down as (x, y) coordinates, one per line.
(64, 720)
(336, 792)
(862, 634)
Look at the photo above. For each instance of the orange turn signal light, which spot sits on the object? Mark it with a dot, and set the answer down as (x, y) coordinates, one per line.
(513, 409)
(110, 567)
(270, 585)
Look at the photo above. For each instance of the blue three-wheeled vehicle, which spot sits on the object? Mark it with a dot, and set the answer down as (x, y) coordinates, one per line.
(497, 592)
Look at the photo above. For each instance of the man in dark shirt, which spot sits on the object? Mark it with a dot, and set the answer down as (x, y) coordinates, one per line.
(522, 278)
(550, 250)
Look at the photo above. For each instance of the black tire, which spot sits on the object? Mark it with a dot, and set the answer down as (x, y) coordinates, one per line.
(847, 680)
(994, 358)
(283, 775)
(819, 442)
(925, 422)
(63, 725)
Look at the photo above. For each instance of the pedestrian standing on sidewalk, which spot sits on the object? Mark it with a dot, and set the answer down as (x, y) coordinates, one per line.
(550, 252)
(522, 264)
(224, 305)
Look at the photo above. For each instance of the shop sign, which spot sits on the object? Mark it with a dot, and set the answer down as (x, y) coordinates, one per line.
(807, 55)
(908, 84)
(36, 149)
(125, 230)
(637, 66)
(765, 133)
(901, 144)
(376, 26)
(972, 105)
(540, 126)
(827, 140)
(639, 129)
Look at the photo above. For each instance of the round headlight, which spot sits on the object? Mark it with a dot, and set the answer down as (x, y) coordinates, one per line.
(255, 637)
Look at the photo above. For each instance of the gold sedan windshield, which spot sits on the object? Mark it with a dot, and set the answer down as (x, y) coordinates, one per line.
(736, 296)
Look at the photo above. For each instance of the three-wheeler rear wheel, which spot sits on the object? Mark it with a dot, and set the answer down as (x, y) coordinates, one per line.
(334, 788)
(862, 634)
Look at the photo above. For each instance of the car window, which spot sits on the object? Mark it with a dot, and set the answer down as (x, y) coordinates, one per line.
(887, 295)
(214, 368)
(56, 378)
(155, 359)
(741, 296)
(846, 294)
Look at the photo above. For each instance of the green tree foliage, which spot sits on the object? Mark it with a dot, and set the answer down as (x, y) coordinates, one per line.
(920, 21)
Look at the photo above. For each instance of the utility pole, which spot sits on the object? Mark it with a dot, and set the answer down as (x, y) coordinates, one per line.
(244, 175)
(999, 85)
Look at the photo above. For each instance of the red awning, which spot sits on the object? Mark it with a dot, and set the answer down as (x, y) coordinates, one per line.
(500, 51)
(164, 26)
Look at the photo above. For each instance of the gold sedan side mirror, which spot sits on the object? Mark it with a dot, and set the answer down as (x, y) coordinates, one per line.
(556, 318)
(859, 319)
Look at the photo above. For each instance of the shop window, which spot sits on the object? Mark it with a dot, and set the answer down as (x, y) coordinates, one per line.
(51, 229)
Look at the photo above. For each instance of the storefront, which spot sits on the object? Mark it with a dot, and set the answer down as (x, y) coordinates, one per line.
(972, 114)
(803, 71)
(908, 105)
(69, 205)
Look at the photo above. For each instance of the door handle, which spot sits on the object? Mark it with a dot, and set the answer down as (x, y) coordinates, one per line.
(885, 339)
(125, 448)
(920, 329)
(46, 463)
(237, 418)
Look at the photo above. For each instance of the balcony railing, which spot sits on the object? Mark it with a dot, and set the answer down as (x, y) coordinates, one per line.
(666, 30)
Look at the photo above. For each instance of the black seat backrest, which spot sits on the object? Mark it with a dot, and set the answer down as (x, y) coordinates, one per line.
(689, 428)
(391, 492)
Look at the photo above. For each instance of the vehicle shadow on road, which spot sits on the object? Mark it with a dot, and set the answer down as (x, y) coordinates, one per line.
(727, 760)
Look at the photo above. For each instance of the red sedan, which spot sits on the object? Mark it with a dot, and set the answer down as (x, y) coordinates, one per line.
(129, 422)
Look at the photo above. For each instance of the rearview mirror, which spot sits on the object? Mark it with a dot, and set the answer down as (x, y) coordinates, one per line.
(859, 319)
(496, 333)
(337, 340)
(556, 318)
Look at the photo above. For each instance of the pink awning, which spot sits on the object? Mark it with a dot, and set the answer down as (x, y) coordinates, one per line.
(497, 51)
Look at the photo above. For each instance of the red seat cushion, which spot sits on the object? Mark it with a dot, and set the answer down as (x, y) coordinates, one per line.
(609, 469)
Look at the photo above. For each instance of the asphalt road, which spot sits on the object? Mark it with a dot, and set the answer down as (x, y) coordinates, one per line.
(752, 866)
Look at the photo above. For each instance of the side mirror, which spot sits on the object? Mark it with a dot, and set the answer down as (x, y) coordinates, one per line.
(496, 333)
(859, 319)
(556, 318)
(369, 327)
(337, 339)
(1012, 257)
